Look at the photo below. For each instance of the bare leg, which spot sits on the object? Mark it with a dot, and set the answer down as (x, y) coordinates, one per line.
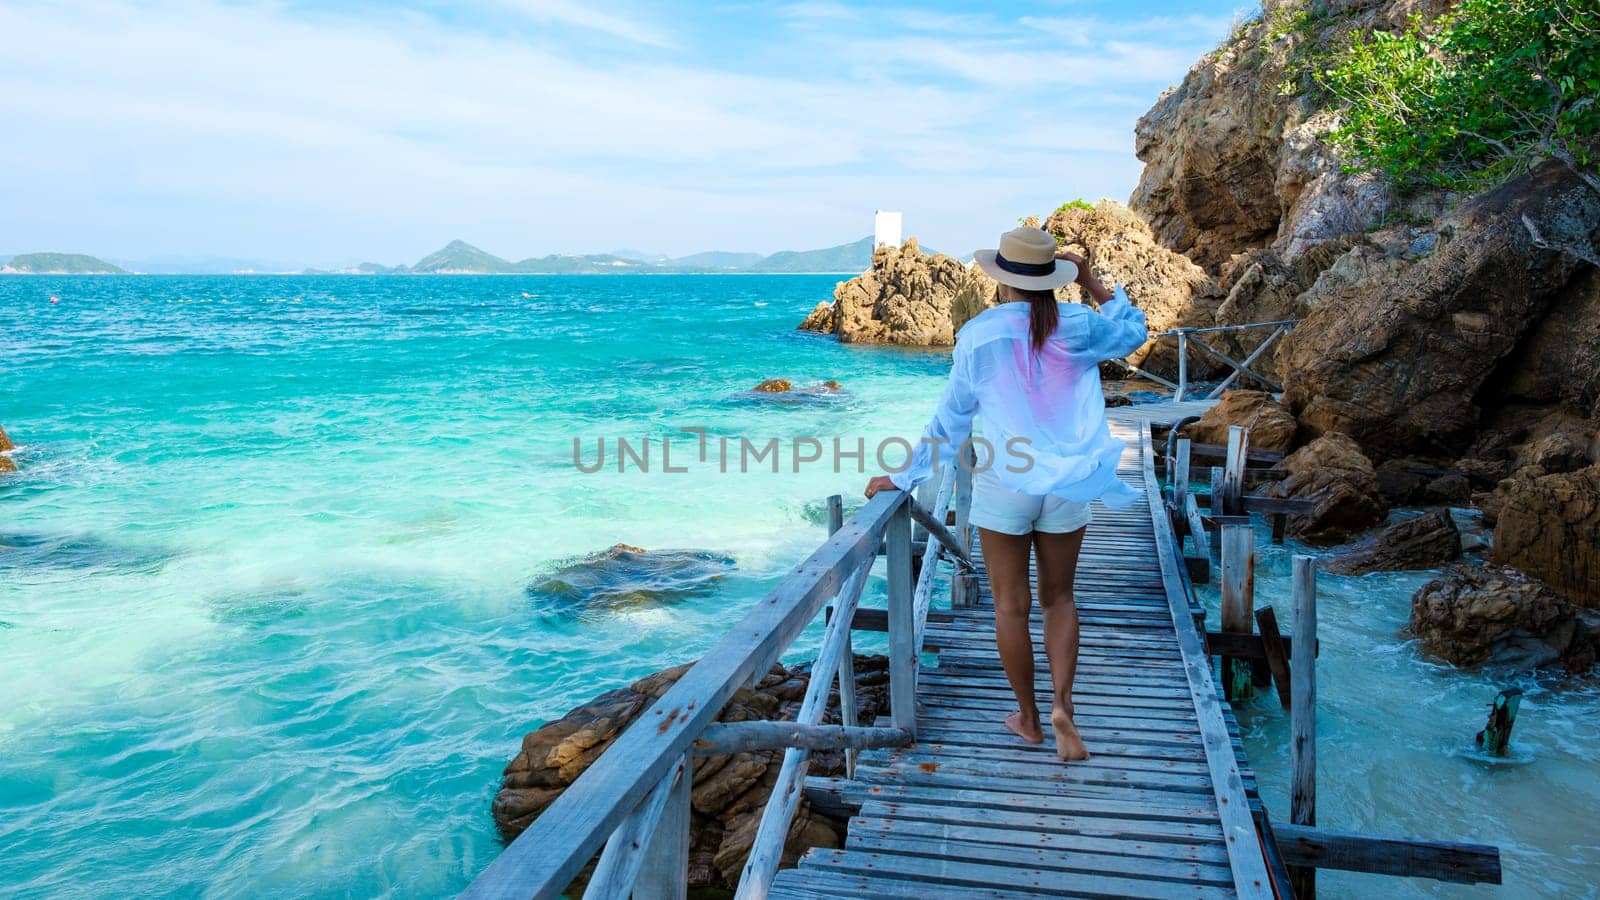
(1006, 557)
(1057, 556)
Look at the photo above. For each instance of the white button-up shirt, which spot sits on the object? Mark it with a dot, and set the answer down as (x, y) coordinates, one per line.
(1044, 416)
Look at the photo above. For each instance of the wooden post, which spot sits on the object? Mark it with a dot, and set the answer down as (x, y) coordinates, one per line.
(1280, 526)
(1238, 600)
(1303, 714)
(902, 621)
(1216, 492)
(847, 662)
(1277, 657)
(664, 875)
(1183, 366)
(962, 588)
(925, 500)
(1495, 737)
(1180, 474)
(1233, 470)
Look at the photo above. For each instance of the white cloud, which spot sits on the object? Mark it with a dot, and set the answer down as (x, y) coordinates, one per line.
(139, 129)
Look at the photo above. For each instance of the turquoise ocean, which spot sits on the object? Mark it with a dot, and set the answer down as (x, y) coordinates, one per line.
(264, 619)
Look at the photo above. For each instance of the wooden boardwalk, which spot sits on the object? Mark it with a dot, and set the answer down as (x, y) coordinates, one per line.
(969, 810)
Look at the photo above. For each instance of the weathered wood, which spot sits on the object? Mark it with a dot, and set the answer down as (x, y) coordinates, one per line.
(664, 873)
(1218, 329)
(942, 534)
(1180, 474)
(902, 622)
(1317, 848)
(1280, 525)
(545, 858)
(1238, 367)
(1274, 652)
(1233, 470)
(847, 665)
(1135, 370)
(1238, 601)
(1303, 715)
(1246, 646)
(964, 586)
(878, 619)
(1495, 737)
(1255, 354)
(1183, 366)
(1238, 829)
(620, 863)
(1197, 528)
(1199, 451)
(721, 738)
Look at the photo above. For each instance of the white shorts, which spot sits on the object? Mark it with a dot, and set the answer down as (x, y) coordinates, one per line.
(998, 508)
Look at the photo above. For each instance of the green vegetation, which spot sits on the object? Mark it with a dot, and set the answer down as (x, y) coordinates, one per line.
(59, 264)
(1079, 203)
(1483, 94)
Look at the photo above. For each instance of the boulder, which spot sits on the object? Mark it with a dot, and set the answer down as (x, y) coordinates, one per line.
(5, 441)
(625, 576)
(1548, 525)
(1420, 542)
(1332, 472)
(1405, 354)
(773, 386)
(1420, 482)
(905, 298)
(978, 293)
(1481, 615)
(1271, 426)
(1171, 290)
(728, 793)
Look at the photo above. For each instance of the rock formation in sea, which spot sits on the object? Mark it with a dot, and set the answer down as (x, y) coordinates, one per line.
(625, 576)
(1484, 615)
(6, 463)
(729, 792)
(905, 298)
(1549, 527)
(1421, 542)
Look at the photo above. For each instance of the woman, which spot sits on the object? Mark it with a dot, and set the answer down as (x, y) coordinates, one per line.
(1030, 367)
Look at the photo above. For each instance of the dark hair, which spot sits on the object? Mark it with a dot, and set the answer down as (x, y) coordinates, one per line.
(1042, 314)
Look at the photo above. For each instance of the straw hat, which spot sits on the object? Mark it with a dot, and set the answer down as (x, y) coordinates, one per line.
(1026, 259)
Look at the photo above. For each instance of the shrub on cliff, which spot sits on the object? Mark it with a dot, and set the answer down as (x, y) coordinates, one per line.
(1485, 93)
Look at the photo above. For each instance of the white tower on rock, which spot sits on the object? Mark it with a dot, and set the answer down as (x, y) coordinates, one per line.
(885, 228)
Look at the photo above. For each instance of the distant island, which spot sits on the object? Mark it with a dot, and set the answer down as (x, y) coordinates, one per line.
(58, 264)
(461, 258)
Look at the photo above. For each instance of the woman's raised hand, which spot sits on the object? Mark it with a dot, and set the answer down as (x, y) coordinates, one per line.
(879, 483)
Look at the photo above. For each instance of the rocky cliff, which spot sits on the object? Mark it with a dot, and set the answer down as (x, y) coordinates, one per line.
(905, 298)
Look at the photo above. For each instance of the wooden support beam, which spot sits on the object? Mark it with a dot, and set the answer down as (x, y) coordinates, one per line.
(1183, 367)
(1238, 600)
(1277, 655)
(1233, 470)
(1217, 391)
(1197, 528)
(878, 619)
(934, 527)
(1495, 737)
(664, 873)
(1238, 367)
(1262, 458)
(1280, 527)
(963, 590)
(902, 621)
(622, 861)
(722, 738)
(848, 710)
(1315, 848)
(1303, 715)
(1180, 474)
(1246, 646)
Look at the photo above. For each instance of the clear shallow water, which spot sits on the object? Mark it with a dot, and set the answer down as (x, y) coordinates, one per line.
(263, 629)
(1395, 752)
(262, 578)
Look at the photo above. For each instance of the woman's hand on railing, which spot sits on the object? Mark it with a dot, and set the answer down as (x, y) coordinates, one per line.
(879, 483)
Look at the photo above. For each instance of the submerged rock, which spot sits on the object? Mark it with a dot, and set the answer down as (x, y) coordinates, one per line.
(625, 576)
(1422, 542)
(1271, 426)
(1549, 527)
(5, 441)
(1332, 472)
(729, 792)
(1478, 615)
(773, 386)
(6, 463)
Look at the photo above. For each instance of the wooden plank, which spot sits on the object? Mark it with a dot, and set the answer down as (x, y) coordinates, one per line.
(1238, 598)
(664, 873)
(902, 622)
(825, 884)
(1276, 654)
(1180, 474)
(1303, 715)
(621, 861)
(722, 738)
(1461, 863)
(1247, 646)
(1233, 470)
(1037, 881)
(545, 858)
(1244, 847)
(1144, 868)
(1197, 528)
(1212, 854)
(1037, 822)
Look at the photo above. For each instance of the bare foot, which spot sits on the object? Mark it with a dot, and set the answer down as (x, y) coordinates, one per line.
(1030, 733)
(1069, 744)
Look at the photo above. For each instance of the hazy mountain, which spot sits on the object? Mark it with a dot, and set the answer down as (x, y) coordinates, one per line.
(460, 256)
(643, 256)
(174, 264)
(59, 264)
(846, 258)
(716, 259)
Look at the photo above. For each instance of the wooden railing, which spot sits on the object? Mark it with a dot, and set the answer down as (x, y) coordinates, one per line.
(633, 801)
(1192, 336)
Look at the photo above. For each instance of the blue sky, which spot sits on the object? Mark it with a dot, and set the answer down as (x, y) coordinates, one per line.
(327, 133)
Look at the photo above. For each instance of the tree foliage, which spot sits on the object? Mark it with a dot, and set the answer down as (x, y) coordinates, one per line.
(1477, 96)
